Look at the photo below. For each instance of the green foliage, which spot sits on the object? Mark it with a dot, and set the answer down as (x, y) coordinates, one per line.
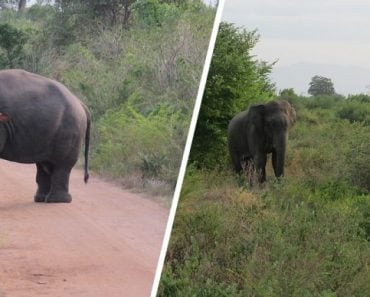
(154, 12)
(110, 12)
(235, 80)
(355, 111)
(288, 93)
(320, 85)
(126, 13)
(355, 108)
(322, 101)
(12, 41)
(129, 142)
(363, 98)
(37, 12)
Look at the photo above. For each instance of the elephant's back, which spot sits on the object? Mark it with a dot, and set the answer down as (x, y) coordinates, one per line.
(237, 122)
(24, 92)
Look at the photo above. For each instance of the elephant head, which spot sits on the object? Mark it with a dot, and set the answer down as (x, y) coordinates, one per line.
(278, 117)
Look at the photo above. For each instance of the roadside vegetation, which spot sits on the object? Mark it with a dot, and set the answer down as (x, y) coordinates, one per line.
(306, 235)
(137, 66)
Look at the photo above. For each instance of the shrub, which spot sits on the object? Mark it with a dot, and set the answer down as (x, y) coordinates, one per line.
(355, 111)
(12, 41)
(323, 101)
(129, 142)
(363, 98)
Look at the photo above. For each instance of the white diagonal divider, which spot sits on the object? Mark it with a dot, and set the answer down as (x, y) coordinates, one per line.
(186, 153)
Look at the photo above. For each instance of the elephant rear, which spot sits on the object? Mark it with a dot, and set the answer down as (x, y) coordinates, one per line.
(42, 122)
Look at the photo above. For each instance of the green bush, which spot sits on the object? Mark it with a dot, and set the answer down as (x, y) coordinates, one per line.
(363, 98)
(355, 111)
(154, 12)
(12, 42)
(323, 101)
(129, 142)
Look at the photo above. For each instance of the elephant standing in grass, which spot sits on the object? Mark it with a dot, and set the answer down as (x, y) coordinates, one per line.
(258, 131)
(42, 122)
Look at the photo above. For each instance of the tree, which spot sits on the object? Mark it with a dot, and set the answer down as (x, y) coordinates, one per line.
(14, 4)
(287, 93)
(21, 5)
(235, 80)
(320, 85)
(116, 11)
(111, 12)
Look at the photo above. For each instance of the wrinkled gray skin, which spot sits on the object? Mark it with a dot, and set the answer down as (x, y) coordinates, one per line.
(258, 131)
(42, 122)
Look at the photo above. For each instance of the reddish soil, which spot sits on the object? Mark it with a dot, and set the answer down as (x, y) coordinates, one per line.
(105, 243)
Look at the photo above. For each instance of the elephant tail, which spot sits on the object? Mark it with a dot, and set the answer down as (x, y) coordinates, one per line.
(87, 144)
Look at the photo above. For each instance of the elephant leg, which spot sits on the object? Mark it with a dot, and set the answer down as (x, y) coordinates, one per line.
(237, 161)
(43, 180)
(260, 166)
(274, 160)
(59, 186)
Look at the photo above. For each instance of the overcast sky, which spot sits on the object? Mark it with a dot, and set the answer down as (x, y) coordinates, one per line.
(314, 31)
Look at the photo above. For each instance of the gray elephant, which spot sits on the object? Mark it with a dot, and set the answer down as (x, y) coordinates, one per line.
(42, 122)
(258, 131)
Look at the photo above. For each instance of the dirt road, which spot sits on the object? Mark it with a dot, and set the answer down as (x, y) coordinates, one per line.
(105, 243)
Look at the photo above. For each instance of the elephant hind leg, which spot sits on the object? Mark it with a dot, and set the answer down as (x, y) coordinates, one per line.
(43, 180)
(59, 186)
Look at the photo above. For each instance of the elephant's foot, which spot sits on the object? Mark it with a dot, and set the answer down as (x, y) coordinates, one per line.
(59, 197)
(39, 197)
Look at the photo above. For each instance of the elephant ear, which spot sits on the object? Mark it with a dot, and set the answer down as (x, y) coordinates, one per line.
(292, 115)
(290, 112)
(4, 117)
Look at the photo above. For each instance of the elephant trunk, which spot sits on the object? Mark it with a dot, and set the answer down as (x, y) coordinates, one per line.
(278, 156)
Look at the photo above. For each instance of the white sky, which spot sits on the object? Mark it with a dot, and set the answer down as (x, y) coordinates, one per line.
(312, 31)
